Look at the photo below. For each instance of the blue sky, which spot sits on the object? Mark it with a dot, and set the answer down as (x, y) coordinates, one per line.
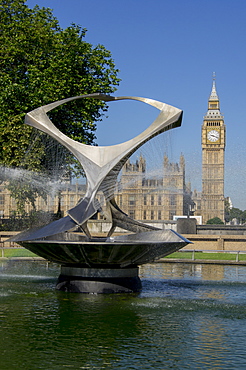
(168, 51)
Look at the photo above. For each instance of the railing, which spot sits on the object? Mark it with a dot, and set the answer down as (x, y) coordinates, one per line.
(193, 253)
(226, 252)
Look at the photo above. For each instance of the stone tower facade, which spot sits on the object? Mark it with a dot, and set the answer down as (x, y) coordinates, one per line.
(213, 149)
(156, 197)
(142, 196)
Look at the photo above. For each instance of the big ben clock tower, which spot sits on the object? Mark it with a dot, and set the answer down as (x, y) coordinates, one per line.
(213, 148)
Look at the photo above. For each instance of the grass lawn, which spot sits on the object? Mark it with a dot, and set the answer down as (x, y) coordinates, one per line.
(17, 252)
(208, 256)
(22, 252)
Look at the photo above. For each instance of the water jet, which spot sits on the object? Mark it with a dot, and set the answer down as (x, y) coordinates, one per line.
(95, 264)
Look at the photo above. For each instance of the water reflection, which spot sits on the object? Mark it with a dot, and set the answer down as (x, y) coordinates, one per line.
(211, 336)
(186, 317)
(185, 270)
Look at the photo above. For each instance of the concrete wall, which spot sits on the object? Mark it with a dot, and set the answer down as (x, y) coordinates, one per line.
(216, 242)
(186, 225)
(213, 238)
(221, 229)
(208, 237)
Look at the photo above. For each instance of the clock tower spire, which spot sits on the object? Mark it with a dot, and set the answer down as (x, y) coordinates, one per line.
(213, 101)
(213, 148)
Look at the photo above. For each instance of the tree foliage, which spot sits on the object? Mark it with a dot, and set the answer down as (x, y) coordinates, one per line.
(40, 63)
(215, 221)
(238, 214)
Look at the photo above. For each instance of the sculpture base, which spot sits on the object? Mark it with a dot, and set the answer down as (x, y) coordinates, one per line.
(98, 280)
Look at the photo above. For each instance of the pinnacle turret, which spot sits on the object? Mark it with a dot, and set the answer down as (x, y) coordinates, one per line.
(213, 103)
(214, 95)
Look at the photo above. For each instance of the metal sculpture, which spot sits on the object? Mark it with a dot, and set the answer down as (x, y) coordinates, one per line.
(101, 166)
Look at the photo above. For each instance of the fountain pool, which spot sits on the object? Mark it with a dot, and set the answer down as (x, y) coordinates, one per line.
(186, 317)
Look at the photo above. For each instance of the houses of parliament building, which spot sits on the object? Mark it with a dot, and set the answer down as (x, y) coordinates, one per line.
(151, 198)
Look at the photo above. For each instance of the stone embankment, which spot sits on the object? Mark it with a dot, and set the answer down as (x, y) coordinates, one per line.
(216, 242)
(209, 241)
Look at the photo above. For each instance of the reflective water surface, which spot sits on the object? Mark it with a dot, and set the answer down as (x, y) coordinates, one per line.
(186, 317)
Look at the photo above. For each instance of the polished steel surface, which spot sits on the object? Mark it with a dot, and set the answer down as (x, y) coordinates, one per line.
(101, 164)
(68, 240)
(119, 251)
(99, 273)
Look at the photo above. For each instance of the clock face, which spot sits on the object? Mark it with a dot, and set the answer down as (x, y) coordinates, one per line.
(213, 135)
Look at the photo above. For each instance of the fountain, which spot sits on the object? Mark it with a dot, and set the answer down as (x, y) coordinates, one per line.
(101, 264)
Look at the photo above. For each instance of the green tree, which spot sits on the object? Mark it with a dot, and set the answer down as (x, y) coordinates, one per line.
(236, 213)
(244, 216)
(227, 210)
(215, 221)
(40, 63)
